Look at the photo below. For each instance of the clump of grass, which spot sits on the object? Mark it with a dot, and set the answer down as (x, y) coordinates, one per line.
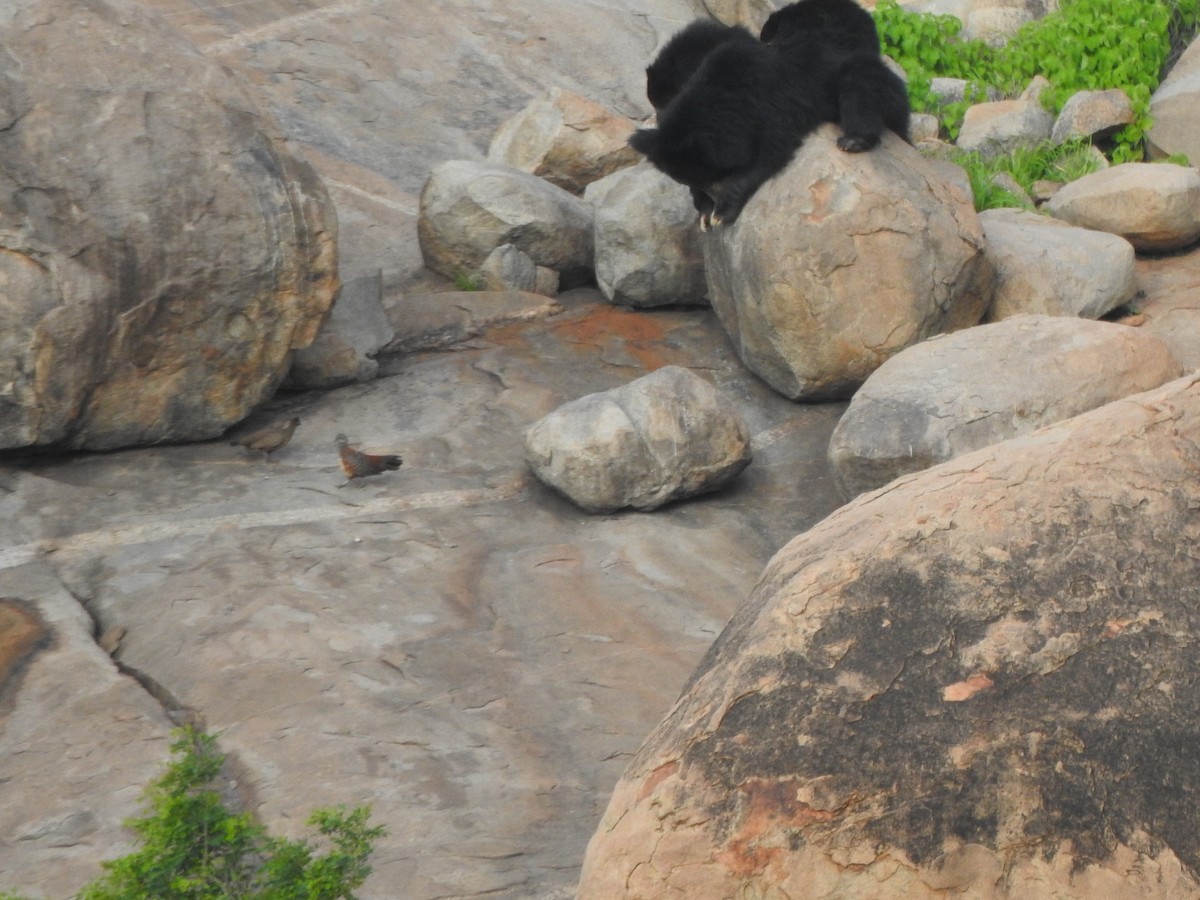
(463, 281)
(1060, 163)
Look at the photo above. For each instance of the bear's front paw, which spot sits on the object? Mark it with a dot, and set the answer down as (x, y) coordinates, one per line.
(856, 144)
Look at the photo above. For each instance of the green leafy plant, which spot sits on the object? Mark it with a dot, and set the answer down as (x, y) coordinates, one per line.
(194, 848)
(1084, 45)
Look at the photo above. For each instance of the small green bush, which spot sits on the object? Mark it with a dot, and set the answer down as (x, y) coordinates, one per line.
(194, 848)
(464, 281)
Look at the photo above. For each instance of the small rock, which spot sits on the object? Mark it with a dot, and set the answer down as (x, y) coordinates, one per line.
(507, 269)
(469, 208)
(648, 250)
(1036, 87)
(957, 393)
(994, 25)
(1154, 206)
(1049, 267)
(1001, 126)
(667, 436)
(1011, 186)
(1094, 114)
(565, 138)
(923, 127)
(750, 13)
(347, 344)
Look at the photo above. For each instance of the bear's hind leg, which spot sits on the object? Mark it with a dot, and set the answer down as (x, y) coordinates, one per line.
(870, 98)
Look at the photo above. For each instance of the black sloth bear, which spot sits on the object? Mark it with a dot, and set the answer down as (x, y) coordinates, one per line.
(748, 104)
(842, 22)
(681, 56)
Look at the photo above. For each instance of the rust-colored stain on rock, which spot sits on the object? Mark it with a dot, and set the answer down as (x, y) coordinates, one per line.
(770, 809)
(657, 777)
(22, 634)
(643, 337)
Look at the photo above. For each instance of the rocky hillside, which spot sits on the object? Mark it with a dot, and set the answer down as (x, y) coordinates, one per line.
(457, 643)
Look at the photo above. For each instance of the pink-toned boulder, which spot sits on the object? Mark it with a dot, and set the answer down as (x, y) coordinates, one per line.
(972, 683)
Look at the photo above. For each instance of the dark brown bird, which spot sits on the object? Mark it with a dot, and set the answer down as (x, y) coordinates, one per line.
(267, 440)
(357, 464)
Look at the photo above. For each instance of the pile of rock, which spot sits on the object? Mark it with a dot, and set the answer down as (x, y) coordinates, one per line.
(843, 263)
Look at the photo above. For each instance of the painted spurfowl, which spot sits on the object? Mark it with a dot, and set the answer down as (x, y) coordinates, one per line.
(267, 440)
(356, 464)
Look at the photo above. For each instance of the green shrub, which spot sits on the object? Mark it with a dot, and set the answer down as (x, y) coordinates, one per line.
(194, 848)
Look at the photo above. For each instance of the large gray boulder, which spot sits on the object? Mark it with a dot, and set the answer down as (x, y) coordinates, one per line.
(1049, 267)
(980, 386)
(162, 251)
(843, 260)
(973, 683)
(1154, 206)
(648, 250)
(666, 436)
(469, 208)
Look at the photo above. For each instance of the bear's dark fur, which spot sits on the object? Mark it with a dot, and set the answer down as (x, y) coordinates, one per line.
(681, 56)
(842, 22)
(739, 117)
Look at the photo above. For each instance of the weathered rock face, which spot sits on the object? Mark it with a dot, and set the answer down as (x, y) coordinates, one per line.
(1154, 206)
(667, 436)
(1046, 266)
(970, 682)
(841, 261)
(565, 138)
(469, 208)
(161, 250)
(960, 392)
(648, 250)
